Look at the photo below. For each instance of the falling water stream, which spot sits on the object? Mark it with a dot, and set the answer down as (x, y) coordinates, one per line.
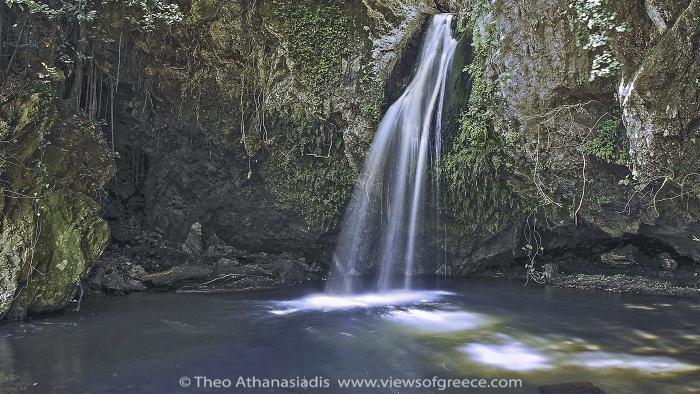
(386, 213)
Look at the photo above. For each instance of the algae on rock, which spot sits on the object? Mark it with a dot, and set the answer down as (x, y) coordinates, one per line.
(52, 228)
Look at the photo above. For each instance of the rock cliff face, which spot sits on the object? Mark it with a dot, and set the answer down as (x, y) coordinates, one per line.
(259, 131)
(589, 124)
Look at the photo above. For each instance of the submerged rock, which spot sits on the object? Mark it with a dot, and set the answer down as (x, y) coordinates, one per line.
(571, 388)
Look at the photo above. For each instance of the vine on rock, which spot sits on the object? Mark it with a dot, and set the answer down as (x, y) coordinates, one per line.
(595, 26)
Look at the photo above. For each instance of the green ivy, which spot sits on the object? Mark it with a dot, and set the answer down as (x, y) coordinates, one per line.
(371, 112)
(146, 15)
(474, 163)
(310, 160)
(608, 143)
(317, 32)
(595, 26)
(76, 8)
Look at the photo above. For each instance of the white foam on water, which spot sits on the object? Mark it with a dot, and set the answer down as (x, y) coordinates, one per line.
(652, 364)
(511, 355)
(438, 321)
(327, 302)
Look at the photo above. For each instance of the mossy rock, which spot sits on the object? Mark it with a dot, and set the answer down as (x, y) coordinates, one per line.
(78, 158)
(54, 239)
(14, 249)
(51, 227)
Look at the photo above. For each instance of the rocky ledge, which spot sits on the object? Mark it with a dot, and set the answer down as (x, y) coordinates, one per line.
(149, 262)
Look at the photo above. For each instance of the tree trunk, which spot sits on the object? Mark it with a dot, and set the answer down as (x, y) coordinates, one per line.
(2, 40)
(78, 71)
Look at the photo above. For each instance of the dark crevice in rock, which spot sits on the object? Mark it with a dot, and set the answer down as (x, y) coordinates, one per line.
(405, 68)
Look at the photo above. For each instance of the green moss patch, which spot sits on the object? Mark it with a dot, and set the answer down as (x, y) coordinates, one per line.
(317, 33)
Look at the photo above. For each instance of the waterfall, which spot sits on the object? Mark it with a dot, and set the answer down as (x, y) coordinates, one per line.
(383, 222)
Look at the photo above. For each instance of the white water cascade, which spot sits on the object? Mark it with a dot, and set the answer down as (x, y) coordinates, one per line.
(386, 214)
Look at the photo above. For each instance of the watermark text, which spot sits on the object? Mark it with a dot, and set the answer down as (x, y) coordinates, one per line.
(320, 382)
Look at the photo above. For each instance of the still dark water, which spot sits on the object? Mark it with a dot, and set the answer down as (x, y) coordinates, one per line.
(148, 342)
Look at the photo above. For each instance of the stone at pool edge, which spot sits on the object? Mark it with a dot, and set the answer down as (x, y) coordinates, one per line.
(621, 257)
(176, 274)
(571, 388)
(668, 262)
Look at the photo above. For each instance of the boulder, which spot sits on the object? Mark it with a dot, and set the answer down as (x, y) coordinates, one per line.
(288, 272)
(177, 274)
(550, 270)
(114, 281)
(224, 265)
(668, 262)
(622, 257)
(194, 244)
(136, 272)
